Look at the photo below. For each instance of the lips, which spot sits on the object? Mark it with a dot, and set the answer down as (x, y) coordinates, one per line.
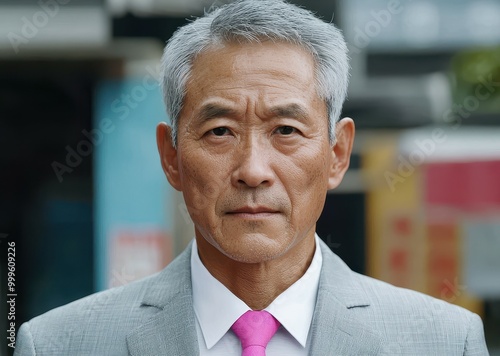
(253, 210)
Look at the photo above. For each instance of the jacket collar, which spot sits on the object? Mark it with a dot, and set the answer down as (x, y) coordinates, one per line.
(336, 327)
(172, 330)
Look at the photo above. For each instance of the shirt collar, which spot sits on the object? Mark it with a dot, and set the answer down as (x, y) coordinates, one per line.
(293, 308)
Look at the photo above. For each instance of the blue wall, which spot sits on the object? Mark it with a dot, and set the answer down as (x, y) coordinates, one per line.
(131, 191)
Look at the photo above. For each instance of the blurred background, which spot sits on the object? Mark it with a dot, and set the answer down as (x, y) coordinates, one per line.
(84, 199)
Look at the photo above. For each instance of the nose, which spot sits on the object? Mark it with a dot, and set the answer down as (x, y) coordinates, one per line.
(254, 166)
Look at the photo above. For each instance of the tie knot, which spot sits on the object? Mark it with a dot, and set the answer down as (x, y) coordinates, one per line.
(255, 329)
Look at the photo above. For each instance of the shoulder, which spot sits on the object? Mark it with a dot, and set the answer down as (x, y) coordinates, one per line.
(412, 320)
(405, 320)
(357, 290)
(112, 301)
(86, 322)
(99, 323)
(391, 299)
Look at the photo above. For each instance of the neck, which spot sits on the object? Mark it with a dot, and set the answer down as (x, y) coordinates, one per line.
(258, 284)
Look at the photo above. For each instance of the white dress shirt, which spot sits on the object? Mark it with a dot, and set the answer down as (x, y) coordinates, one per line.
(217, 308)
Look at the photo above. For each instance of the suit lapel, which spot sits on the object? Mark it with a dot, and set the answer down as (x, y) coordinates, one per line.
(170, 332)
(172, 329)
(336, 327)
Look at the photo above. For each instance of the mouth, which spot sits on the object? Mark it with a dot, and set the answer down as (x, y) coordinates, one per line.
(252, 212)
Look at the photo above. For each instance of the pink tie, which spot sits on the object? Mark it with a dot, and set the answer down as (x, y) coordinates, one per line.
(255, 329)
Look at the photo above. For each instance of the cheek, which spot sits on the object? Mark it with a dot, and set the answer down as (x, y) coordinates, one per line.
(314, 191)
(309, 186)
(201, 183)
(310, 168)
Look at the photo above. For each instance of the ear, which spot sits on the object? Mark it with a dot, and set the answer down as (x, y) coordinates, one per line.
(168, 155)
(341, 151)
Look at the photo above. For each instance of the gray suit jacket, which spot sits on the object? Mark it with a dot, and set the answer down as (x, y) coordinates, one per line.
(355, 315)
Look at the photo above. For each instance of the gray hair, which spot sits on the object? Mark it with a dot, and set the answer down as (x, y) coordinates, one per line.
(256, 21)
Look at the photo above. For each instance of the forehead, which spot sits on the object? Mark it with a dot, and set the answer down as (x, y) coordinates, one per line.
(266, 71)
(233, 57)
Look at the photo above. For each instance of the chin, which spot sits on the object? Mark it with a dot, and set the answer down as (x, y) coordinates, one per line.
(253, 248)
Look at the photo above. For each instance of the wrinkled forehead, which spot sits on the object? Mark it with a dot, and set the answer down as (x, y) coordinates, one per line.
(237, 66)
(224, 58)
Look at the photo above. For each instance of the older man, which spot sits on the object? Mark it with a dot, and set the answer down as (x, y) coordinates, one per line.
(254, 90)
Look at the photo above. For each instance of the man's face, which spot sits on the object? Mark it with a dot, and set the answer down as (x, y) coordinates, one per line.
(253, 159)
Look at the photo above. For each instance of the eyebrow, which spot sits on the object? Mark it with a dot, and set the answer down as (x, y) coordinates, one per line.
(294, 111)
(211, 111)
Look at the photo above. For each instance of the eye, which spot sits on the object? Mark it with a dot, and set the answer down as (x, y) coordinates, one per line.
(219, 131)
(286, 130)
